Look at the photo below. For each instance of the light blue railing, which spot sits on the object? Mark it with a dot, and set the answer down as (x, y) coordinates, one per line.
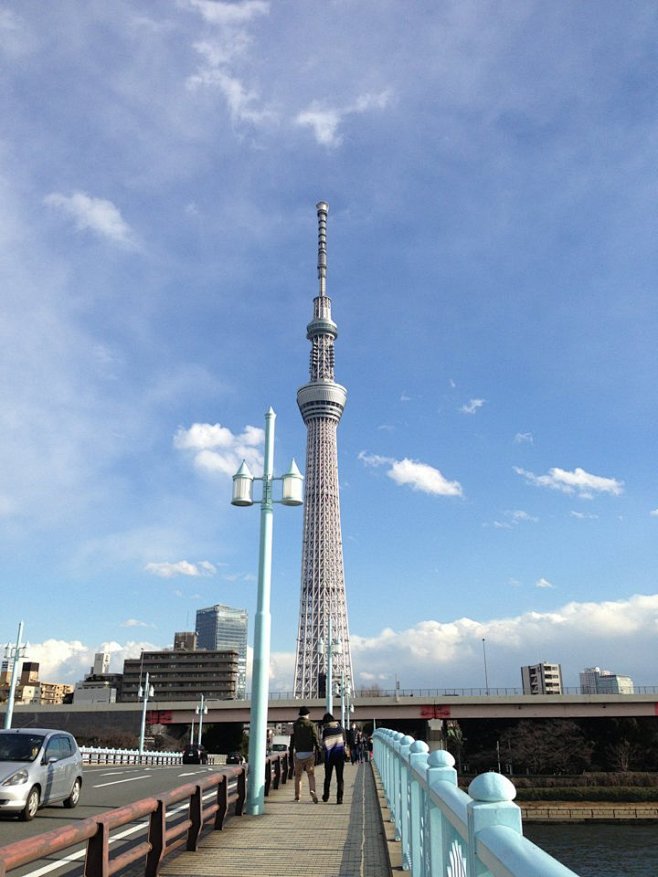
(444, 832)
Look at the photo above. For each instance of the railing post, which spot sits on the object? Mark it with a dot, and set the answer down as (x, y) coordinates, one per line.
(417, 766)
(440, 769)
(97, 857)
(196, 818)
(156, 838)
(404, 745)
(242, 791)
(492, 804)
(268, 777)
(222, 802)
(396, 797)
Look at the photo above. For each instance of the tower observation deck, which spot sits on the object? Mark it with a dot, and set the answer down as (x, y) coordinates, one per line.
(323, 608)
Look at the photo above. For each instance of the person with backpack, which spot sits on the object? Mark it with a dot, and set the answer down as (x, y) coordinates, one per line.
(304, 744)
(335, 753)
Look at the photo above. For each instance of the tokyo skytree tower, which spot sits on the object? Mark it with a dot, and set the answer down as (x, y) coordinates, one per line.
(322, 609)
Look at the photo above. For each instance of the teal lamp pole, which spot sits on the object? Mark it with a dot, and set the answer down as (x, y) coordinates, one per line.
(201, 711)
(13, 654)
(143, 693)
(242, 496)
(330, 648)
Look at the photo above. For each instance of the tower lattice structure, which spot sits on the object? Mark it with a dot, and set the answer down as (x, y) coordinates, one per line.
(323, 608)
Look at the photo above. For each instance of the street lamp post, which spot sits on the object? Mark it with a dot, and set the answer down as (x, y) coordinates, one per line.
(242, 496)
(143, 693)
(331, 648)
(201, 711)
(341, 689)
(484, 657)
(14, 653)
(344, 690)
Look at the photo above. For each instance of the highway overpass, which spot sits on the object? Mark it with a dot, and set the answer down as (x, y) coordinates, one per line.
(84, 719)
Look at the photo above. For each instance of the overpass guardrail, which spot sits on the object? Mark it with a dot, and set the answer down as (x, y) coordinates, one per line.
(443, 830)
(361, 693)
(99, 755)
(204, 804)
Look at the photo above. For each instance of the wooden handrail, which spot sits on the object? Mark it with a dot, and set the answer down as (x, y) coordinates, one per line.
(160, 839)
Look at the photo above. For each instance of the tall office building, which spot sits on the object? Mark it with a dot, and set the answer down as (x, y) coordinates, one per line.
(323, 609)
(220, 628)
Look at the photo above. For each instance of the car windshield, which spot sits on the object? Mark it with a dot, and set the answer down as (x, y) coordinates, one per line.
(20, 747)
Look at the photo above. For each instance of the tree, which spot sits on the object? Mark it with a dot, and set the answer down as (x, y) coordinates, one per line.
(551, 746)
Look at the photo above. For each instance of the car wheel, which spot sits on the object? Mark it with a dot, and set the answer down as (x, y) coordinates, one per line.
(31, 805)
(74, 797)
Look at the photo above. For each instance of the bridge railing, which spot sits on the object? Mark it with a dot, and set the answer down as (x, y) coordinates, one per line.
(203, 803)
(443, 830)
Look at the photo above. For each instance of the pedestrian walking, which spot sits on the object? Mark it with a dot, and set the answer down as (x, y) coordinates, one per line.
(304, 744)
(333, 743)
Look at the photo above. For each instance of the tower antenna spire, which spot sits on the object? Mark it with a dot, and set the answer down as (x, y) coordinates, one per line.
(322, 605)
(323, 209)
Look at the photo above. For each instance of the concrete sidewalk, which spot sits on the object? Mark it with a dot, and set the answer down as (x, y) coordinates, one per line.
(298, 838)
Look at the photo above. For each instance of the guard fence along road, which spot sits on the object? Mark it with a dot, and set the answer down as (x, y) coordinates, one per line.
(207, 804)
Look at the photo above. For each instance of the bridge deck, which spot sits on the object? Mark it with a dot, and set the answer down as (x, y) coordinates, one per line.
(298, 838)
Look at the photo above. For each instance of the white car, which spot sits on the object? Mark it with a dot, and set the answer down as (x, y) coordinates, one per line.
(38, 767)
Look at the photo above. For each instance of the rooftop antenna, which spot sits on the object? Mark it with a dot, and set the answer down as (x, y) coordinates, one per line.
(323, 208)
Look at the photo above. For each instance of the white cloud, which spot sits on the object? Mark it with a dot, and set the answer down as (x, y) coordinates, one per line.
(438, 654)
(543, 583)
(324, 121)
(418, 476)
(435, 654)
(240, 100)
(216, 12)
(216, 449)
(133, 622)
(520, 515)
(472, 406)
(96, 214)
(579, 482)
(583, 516)
(181, 568)
(62, 661)
(524, 438)
(220, 52)
(654, 513)
(515, 517)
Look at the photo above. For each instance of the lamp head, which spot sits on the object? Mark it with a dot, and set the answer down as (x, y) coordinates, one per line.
(292, 484)
(243, 484)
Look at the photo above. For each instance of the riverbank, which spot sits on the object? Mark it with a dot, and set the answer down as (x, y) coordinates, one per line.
(587, 811)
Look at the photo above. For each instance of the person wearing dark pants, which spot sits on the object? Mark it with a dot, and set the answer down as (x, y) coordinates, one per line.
(333, 745)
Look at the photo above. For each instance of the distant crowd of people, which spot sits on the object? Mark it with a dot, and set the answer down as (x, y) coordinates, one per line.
(336, 746)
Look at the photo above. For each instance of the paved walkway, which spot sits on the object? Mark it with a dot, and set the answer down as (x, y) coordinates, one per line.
(298, 838)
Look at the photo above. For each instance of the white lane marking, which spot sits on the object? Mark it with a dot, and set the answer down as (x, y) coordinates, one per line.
(128, 780)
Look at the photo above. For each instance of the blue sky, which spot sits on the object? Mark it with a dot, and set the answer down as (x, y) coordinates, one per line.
(491, 176)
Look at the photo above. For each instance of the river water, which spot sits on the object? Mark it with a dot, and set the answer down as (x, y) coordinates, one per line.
(602, 850)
